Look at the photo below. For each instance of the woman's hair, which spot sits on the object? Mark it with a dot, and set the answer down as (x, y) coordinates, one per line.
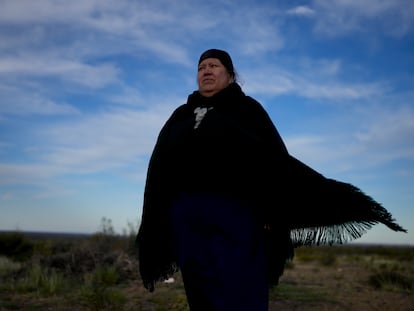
(236, 77)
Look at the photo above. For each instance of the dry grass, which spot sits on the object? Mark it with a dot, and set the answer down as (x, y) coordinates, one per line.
(100, 273)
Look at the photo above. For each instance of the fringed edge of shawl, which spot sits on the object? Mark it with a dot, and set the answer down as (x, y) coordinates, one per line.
(373, 212)
(357, 213)
(334, 234)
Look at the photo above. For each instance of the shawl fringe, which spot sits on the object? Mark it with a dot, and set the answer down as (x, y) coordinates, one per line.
(336, 234)
(353, 215)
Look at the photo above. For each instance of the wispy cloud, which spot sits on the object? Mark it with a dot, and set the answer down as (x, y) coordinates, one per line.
(337, 17)
(18, 100)
(85, 86)
(311, 81)
(390, 133)
(29, 66)
(26, 174)
(301, 10)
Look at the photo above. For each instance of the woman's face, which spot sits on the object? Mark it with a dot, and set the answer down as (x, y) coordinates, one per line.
(212, 77)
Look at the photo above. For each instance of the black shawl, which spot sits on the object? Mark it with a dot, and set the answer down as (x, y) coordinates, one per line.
(243, 155)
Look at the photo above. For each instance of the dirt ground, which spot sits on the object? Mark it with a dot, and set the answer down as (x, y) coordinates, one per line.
(312, 286)
(343, 286)
(312, 282)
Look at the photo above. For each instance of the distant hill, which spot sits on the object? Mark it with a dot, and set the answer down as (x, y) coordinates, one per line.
(49, 235)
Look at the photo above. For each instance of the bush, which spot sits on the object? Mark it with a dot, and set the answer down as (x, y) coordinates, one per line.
(15, 246)
(98, 291)
(8, 267)
(328, 259)
(390, 280)
(43, 281)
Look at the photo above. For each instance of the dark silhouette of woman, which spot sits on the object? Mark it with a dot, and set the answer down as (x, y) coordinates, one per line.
(227, 204)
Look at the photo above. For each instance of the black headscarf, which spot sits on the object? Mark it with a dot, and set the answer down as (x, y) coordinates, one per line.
(223, 56)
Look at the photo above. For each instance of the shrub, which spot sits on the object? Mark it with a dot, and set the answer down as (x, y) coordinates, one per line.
(44, 282)
(15, 246)
(390, 280)
(43, 248)
(328, 259)
(325, 255)
(8, 266)
(98, 291)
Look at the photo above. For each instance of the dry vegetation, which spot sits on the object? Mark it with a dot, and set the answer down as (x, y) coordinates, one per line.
(99, 272)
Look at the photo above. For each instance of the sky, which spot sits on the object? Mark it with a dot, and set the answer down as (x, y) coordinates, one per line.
(85, 87)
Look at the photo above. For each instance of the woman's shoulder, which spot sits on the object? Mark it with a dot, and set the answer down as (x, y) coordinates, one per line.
(252, 102)
(252, 105)
(181, 110)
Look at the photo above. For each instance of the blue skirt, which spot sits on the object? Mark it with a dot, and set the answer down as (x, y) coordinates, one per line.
(220, 252)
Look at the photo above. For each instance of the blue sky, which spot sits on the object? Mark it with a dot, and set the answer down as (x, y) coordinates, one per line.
(85, 87)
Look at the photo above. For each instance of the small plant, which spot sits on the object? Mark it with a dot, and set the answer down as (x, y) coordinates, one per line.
(43, 248)
(179, 303)
(302, 294)
(42, 281)
(328, 259)
(8, 266)
(15, 246)
(325, 255)
(390, 280)
(98, 291)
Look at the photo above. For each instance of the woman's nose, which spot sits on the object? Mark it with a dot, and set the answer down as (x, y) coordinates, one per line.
(207, 70)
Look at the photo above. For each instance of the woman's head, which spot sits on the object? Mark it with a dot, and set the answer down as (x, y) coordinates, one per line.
(215, 72)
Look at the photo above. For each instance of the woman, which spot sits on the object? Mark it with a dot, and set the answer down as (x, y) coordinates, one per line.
(223, 198)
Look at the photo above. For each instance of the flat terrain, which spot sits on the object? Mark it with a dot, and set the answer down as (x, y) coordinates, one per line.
(99, 273)
(325, 281)
(346, 285)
